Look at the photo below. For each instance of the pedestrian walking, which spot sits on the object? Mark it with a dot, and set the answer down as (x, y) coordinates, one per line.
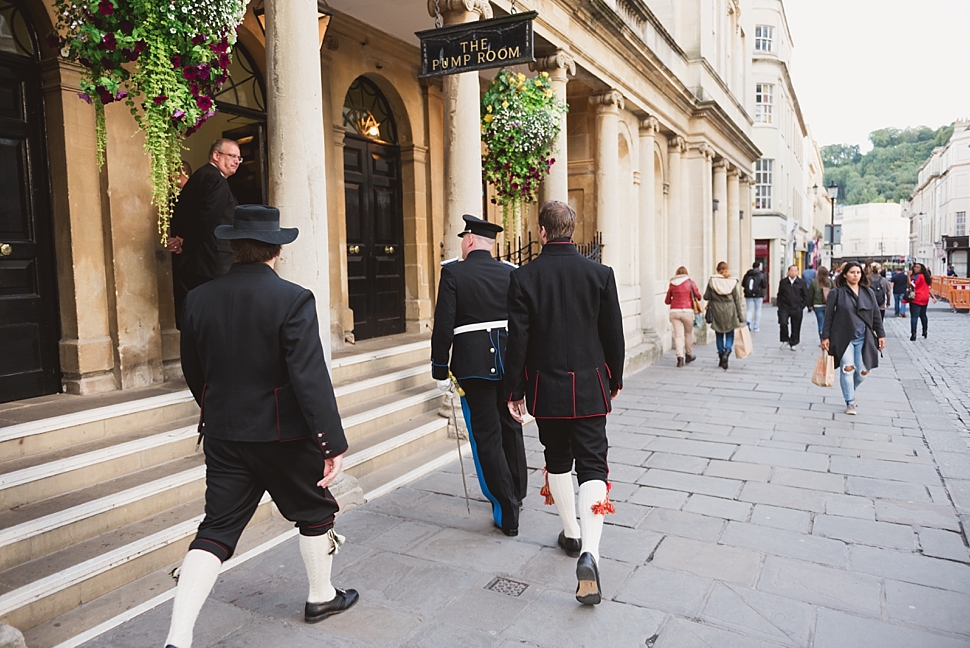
(920, 281)
(792, 300)
(471, 327)
(681, 295)
(204, 203)
(723, 295)
(818, 293)
(251, 355)
(565, 359)
(881, 288)
(900, 283)
(852, 332)
(755, 283)
(809, 274)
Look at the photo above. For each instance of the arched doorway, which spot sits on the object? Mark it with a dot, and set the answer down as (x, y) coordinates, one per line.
(29, 326)
(375, 217)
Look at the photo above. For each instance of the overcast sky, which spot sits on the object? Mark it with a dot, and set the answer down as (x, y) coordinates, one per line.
(860, 65)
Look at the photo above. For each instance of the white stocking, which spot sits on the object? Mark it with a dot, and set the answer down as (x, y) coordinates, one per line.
(318, 558)
(590, 494)
(197, 575)
(561, 489)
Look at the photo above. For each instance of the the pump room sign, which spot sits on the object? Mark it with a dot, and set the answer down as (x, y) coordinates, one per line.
(479, 45)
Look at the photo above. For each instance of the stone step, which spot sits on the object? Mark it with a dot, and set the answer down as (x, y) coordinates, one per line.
(359, 389)
(381, 358)
(402, 472)
(383, 412)
(385, 447)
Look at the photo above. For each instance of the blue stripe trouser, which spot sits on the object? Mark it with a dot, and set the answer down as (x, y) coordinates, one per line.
(497, 448)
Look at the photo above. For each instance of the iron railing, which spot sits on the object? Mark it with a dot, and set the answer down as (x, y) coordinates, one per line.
(522, 251)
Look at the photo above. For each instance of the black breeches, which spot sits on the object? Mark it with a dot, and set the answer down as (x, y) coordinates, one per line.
(582, 440)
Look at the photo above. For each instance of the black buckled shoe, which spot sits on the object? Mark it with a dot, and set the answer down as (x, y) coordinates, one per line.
(588, 575)
(570, 545)
(317, 612)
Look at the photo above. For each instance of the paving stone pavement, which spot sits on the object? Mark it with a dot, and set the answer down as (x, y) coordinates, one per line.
(751, 512)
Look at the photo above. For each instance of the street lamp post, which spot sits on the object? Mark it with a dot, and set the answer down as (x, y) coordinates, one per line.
(833, 191)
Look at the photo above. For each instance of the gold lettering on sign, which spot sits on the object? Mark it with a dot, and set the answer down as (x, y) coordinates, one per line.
(434, 64)
(456, 61)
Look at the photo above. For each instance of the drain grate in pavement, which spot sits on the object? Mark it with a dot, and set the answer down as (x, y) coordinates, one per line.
(506, 586)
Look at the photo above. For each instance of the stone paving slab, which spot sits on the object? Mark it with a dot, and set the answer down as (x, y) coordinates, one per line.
(751, 513)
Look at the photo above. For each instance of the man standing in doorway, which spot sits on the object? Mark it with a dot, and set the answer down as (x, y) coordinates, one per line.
(471, 323)
(204, 203)
(792, 301)
(754, 283)
(251, 354)
(566, 354)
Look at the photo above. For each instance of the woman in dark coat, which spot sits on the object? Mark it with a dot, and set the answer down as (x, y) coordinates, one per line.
(852, 332)
(726, 306)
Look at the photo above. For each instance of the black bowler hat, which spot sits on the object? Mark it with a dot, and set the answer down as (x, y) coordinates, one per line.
(260, 223)
(479, 227)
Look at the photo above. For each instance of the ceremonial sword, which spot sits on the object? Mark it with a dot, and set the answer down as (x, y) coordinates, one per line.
(461, 461)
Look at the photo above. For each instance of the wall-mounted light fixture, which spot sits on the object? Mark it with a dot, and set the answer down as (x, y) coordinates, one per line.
(324, 15)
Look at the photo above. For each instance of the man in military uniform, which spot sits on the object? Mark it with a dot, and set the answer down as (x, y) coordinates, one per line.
(470, 321)
(565, 355)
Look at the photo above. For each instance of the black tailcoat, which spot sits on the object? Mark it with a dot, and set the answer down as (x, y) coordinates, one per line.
(792, 296)
(566, 347)
(204, 202)
(471, 292)
(252, 356)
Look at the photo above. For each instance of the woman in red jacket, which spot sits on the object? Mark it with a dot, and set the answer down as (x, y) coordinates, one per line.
(920, 279)
(680, 295)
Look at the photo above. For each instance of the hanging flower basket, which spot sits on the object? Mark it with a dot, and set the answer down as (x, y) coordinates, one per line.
(166, 59)
(521, 117)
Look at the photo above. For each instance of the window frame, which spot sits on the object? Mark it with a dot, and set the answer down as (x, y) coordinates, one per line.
(764, 38)
(764, 103)
(960, 224)
(763, 183)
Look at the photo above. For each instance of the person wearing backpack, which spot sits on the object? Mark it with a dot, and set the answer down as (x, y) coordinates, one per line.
(882, 288)
(754, 284)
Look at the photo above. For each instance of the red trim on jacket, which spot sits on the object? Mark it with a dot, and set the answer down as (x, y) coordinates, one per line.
(535, 396)
(606, 399)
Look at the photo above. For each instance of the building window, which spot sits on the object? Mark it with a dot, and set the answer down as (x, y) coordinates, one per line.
(763, 171)
(763, 38)
(764, 99)
(961, 224)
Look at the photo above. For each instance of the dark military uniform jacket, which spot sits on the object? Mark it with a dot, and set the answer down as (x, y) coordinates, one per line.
(566, 348)
(252, 356)
(470, 292)
(205, 202)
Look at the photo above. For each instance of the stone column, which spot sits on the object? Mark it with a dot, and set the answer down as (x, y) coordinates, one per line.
(649, 248)
(556, 185)
(608, 106)
(297, 161)
(462, 131)
(85, 349)
(747, 242)
(733, 223)
(721, 215)
(676, 251)
(698, 222)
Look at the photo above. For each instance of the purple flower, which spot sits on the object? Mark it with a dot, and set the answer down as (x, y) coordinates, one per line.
(104, 95)
(141, 46)
(126, 27)
(176, 60)
(224, 60)
(160, 99)
(204, 103)
(121, 94)
(194, 88)
(85, 61)
(129, 54)
(107, 63)
(198, 39)
(189, 73)
(178, 114)
(203, 72)
(110, 42)
(106, 7)
(83, 96)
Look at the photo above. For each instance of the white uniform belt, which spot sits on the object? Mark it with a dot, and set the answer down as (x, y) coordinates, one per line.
(482, 326)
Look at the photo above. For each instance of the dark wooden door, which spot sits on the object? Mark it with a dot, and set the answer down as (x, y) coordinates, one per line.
(29, 327)
(248, 183)
(375, 250)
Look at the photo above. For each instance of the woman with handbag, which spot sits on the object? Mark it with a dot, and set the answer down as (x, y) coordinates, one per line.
(918, 297)
(683, 297)
(725, 310)
(852, 332)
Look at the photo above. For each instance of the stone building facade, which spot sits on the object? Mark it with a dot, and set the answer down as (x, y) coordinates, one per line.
(937, 209)
(376, 168)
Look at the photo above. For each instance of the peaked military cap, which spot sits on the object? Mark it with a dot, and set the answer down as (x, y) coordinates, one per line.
(479, 227)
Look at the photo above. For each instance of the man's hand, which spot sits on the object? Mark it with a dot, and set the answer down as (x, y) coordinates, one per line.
(517, 410)
(174, 244)
(882, 343)
(445, 386)
(614, 393)
(331, 468)
(824, 345)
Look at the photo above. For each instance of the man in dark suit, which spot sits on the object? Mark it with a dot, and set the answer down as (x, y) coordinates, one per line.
(792, 301)
(252, 356)
(204, 203)
(565, 357)
(470, 322)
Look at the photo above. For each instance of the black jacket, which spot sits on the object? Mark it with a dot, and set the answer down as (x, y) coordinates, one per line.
(837, 327)
(204, 202)
(472, 291)
(792, 296)
(252, 356)
(754, 283)
(566, 347)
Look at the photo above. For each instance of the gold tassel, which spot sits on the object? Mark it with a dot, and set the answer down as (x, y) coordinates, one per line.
(545, 492)
(606, 506)
(336, 542)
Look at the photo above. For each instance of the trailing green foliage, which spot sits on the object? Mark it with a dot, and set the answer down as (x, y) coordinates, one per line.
(887, 173)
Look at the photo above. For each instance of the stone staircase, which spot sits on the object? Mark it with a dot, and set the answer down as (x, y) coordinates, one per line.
(98, 504)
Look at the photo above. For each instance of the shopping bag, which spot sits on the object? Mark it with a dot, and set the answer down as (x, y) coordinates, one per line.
(824, 374)
(742, 342)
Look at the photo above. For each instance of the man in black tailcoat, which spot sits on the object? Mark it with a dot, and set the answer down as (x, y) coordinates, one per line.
(565, 360)
(251, 354)
(204, 203)
(470, 322)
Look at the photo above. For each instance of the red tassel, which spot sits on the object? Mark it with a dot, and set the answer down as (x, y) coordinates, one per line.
(606, 506)
(545, 492)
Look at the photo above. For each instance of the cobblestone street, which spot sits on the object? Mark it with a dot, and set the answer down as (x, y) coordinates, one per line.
(751, 512)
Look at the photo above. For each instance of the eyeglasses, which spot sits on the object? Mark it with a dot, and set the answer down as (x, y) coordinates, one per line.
(238, 158)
